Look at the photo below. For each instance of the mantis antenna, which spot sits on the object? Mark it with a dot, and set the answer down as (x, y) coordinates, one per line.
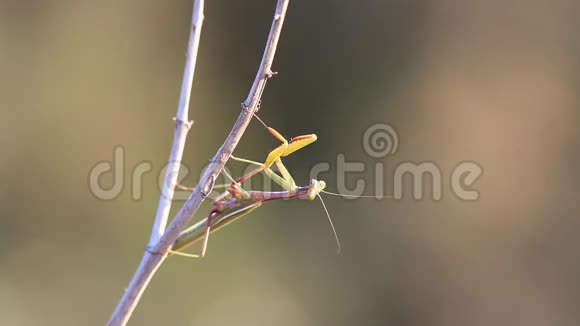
(331, 225)
(354, 196)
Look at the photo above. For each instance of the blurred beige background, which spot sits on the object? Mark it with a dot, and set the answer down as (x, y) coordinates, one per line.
(493, 82)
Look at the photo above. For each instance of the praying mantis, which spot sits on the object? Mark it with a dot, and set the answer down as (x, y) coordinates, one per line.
(236, 202)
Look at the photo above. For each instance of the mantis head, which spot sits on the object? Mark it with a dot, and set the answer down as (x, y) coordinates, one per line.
(316, 187)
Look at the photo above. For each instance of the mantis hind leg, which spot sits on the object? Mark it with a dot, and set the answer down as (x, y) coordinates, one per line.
(205, 240)
(219, 220)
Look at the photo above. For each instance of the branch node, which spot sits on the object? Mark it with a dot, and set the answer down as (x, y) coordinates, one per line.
(245, 107)
(187, 124)
(153, 252)
(208, 187)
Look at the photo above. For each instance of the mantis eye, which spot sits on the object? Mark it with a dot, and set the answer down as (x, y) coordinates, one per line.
(315, 188)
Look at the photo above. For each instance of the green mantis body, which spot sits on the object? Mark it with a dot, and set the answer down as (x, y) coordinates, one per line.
(236, 202)
(227, 211)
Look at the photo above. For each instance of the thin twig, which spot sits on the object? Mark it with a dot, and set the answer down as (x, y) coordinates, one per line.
(131, 296)
(182, 125)
(157, 252)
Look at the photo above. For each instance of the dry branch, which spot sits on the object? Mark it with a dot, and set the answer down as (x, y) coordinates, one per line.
(160, 242)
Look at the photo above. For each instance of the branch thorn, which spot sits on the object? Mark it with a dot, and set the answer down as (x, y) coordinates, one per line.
(269, 74)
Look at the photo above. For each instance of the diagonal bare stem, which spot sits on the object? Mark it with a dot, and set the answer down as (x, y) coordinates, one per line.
(162, 241)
